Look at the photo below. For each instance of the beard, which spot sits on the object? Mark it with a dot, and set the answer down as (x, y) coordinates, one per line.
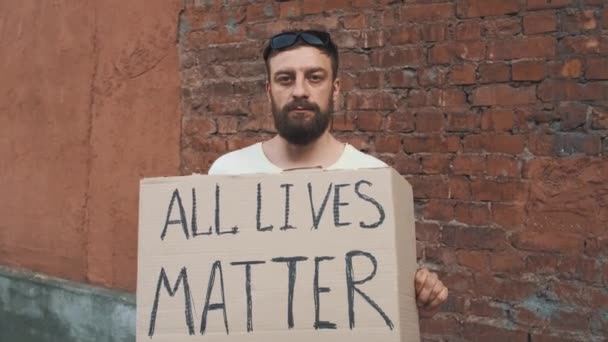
(301, 131)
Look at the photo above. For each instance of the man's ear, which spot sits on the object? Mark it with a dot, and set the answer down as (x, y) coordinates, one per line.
(336, 89)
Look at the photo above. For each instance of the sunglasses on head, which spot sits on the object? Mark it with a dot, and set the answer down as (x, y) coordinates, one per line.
(287, 39)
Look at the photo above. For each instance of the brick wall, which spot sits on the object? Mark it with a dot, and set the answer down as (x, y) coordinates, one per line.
(495, 110)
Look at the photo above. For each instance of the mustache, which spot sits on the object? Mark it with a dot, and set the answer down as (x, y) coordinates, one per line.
(302, 104)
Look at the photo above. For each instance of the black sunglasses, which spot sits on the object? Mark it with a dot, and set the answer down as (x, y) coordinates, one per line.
(287, 39)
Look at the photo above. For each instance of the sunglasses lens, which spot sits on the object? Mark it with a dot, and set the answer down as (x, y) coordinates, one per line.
(283, 40)
(312, 39)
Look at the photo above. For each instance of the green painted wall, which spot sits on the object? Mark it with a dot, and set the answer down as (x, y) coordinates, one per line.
(36, 308)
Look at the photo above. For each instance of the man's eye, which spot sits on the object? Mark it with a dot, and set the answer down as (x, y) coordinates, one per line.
(284, 79)
(316, 78)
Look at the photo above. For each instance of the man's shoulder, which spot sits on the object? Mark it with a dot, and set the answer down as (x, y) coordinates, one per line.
(353, 158)
(235, 160)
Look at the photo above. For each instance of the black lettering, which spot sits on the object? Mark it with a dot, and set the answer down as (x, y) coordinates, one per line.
(164, 281)
(338, 204)
(287, 225)
(372, 201)
(317, 290)
(217, 266)
(291, 265)
(218, 230)
(194, 224)
(182, 215)
(316, 217)
(248, 289)
(259, 212)
(351, 287)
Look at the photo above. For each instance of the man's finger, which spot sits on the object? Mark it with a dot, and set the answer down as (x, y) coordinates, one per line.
(427, 287)
(441, 297)
(435, 291)
(421, 276)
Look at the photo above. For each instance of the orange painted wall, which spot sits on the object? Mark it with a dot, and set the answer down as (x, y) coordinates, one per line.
(89, 104)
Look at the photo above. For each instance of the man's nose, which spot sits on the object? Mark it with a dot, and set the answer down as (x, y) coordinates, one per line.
(300, 88)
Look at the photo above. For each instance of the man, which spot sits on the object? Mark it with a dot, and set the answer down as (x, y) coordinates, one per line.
(302, 87)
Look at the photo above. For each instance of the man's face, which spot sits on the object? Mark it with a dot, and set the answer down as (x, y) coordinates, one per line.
(301, 91)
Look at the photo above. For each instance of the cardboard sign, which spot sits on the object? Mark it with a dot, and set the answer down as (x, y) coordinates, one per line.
(319, 256)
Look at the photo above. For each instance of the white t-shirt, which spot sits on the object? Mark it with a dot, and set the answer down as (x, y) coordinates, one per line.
(252, 159)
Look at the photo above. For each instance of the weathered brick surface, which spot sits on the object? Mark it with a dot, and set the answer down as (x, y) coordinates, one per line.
(495, 111)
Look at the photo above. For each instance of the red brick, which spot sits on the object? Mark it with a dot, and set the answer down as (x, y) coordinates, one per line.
(497, 120)
(500, 166)
(426, 12)
(502, 28)
(460, 187)
(433, 76)
(388, 144)
(550, 242)
(374, 100)
(578, 21)
(509, 262)
(469, 165)
(446, 97)
(430, 144)
(531, 47)
(484, 8)
(370, 79)
(597, 68)
(429, 186)
(428, 232)
(312, 6)
(337, 4)
(570, 90)
(398, 57)
(407, 165)
(357, 21)
(436, 164)
(474, 260)
(472, 213)
(508, 215)
(528, 71)
(486, 308)
(402, 78)
(462, 74)
(227, 124)
(500, 191)
(441, 325)
(494, 72)
(405, 35)
(469, 30)
(570, 68)
(572, 115)
(353, 61)
(450, 52)
(540, 22)
(577, 143)
(400, 121)
(260, 11)
(473, 238)
(289, 9)
(509, 144)
(453, 143)
(343, 123)
(463, 122)
(545, 4)
(199, 127)
(370, 121)
(542, 263)
(492, 95)
(605, 18)
(582, 44)
(371, 39)
(440, 210)
(434, 32)
(429, 120)
(599, 118)
(388, 17)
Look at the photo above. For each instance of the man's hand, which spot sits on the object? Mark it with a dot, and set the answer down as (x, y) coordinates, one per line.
(430, 293)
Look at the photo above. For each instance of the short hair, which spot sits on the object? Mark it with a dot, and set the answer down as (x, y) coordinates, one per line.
(330, 49)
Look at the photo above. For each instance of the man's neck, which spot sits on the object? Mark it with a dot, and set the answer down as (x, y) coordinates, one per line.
(323, 152)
